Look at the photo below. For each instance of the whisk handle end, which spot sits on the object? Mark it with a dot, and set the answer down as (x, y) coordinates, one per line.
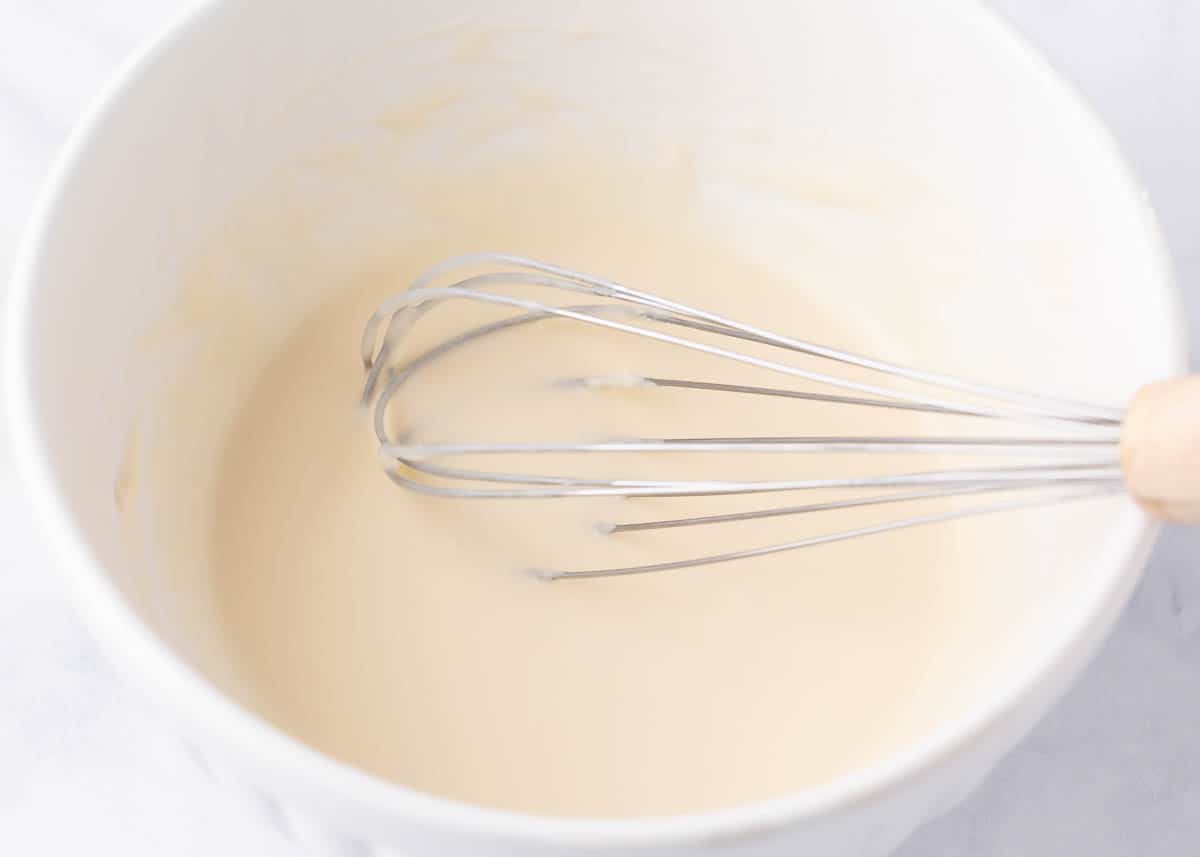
(1160, 449)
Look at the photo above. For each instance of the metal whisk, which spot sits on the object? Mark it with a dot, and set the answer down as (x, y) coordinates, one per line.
(1071, 449)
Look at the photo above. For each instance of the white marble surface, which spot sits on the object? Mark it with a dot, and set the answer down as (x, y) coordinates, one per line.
(1115, 770)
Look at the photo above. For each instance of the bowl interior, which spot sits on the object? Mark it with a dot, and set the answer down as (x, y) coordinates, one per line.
(272, 151)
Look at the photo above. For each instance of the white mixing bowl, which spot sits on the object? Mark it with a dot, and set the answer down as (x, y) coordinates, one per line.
(1079, 302)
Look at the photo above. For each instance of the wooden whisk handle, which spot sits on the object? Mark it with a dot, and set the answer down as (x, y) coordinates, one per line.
(1160, 449)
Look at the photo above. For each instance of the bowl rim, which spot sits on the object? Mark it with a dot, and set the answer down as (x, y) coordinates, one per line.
(153, 667)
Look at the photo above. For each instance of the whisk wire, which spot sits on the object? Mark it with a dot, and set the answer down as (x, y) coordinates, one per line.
(1079, 458)
(829, 538)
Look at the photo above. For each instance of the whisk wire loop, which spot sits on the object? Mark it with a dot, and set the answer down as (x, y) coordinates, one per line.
(1075, 445)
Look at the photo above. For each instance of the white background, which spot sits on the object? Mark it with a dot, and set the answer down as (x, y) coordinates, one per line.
(1115, 770)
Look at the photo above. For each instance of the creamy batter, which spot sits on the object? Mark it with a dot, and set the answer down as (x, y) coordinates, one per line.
(398, 633)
